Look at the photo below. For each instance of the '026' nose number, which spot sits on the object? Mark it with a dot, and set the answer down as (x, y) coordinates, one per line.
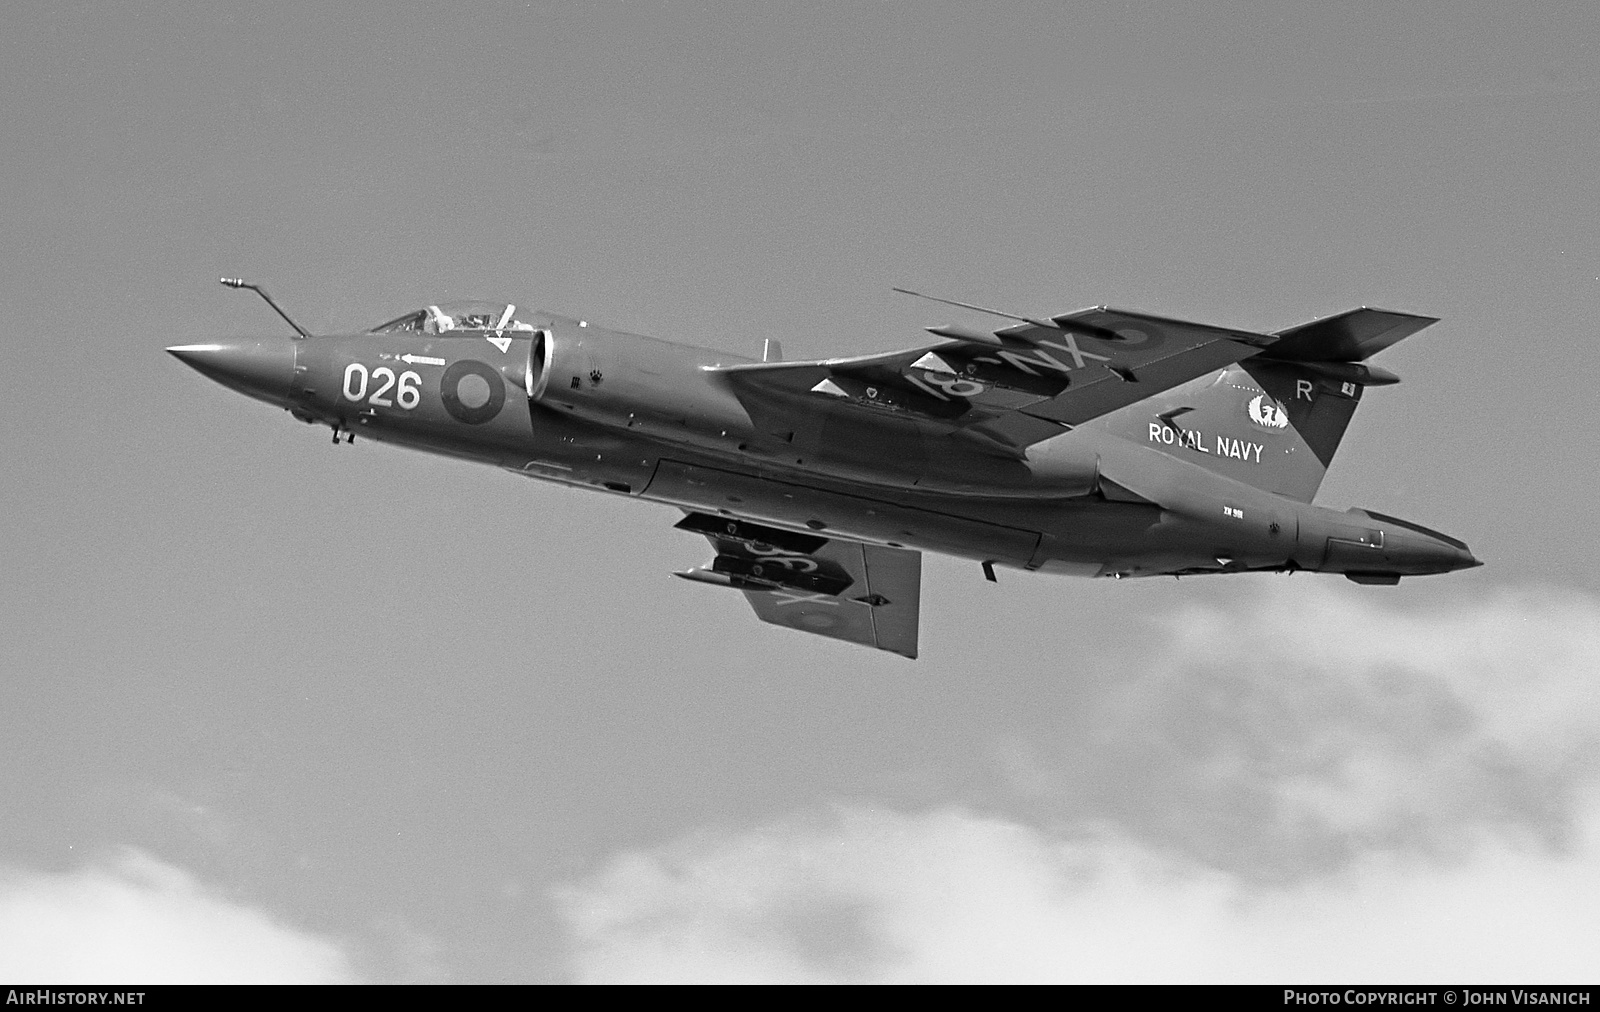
(407, 386)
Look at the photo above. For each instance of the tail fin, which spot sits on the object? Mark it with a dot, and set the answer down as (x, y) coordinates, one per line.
(1275, 420)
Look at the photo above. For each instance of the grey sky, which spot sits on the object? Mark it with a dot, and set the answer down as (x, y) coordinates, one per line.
(417, 711)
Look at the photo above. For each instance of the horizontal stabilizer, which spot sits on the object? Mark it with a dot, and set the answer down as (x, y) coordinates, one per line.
(1354, 336)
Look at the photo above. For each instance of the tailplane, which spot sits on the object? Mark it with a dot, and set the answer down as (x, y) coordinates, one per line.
(1352, 336)
(1275, 420)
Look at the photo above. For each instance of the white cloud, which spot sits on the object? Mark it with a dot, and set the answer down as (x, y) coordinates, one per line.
(951, 896)
(1307, 788)
(137, 920)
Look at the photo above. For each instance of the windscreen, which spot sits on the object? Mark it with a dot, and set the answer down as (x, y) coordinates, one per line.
(451, 316)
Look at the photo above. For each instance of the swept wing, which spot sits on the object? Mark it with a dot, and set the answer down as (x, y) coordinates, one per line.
(846, 590)
(1011, 387)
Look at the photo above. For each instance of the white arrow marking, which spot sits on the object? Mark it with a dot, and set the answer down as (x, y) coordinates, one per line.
(409, 359)
(503, 343)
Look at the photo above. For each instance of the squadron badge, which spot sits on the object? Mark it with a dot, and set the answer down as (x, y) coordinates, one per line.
(1268, 413)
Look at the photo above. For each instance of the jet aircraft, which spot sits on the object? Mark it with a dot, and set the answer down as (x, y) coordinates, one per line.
(1101, 442)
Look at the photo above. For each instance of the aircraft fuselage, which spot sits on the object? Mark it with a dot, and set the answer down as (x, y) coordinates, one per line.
(584, 406)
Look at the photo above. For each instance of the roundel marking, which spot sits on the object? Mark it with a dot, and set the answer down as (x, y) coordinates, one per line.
(472, 392)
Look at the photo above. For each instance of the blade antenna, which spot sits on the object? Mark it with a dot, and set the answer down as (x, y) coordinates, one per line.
(242, 283)
(1048, 325)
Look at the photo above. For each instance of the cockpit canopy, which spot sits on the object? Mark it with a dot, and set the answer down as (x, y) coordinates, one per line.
(449, 316)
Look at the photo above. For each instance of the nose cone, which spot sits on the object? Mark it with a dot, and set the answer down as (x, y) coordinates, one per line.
(1450, 555)
(1435, 553)
(262, 368)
